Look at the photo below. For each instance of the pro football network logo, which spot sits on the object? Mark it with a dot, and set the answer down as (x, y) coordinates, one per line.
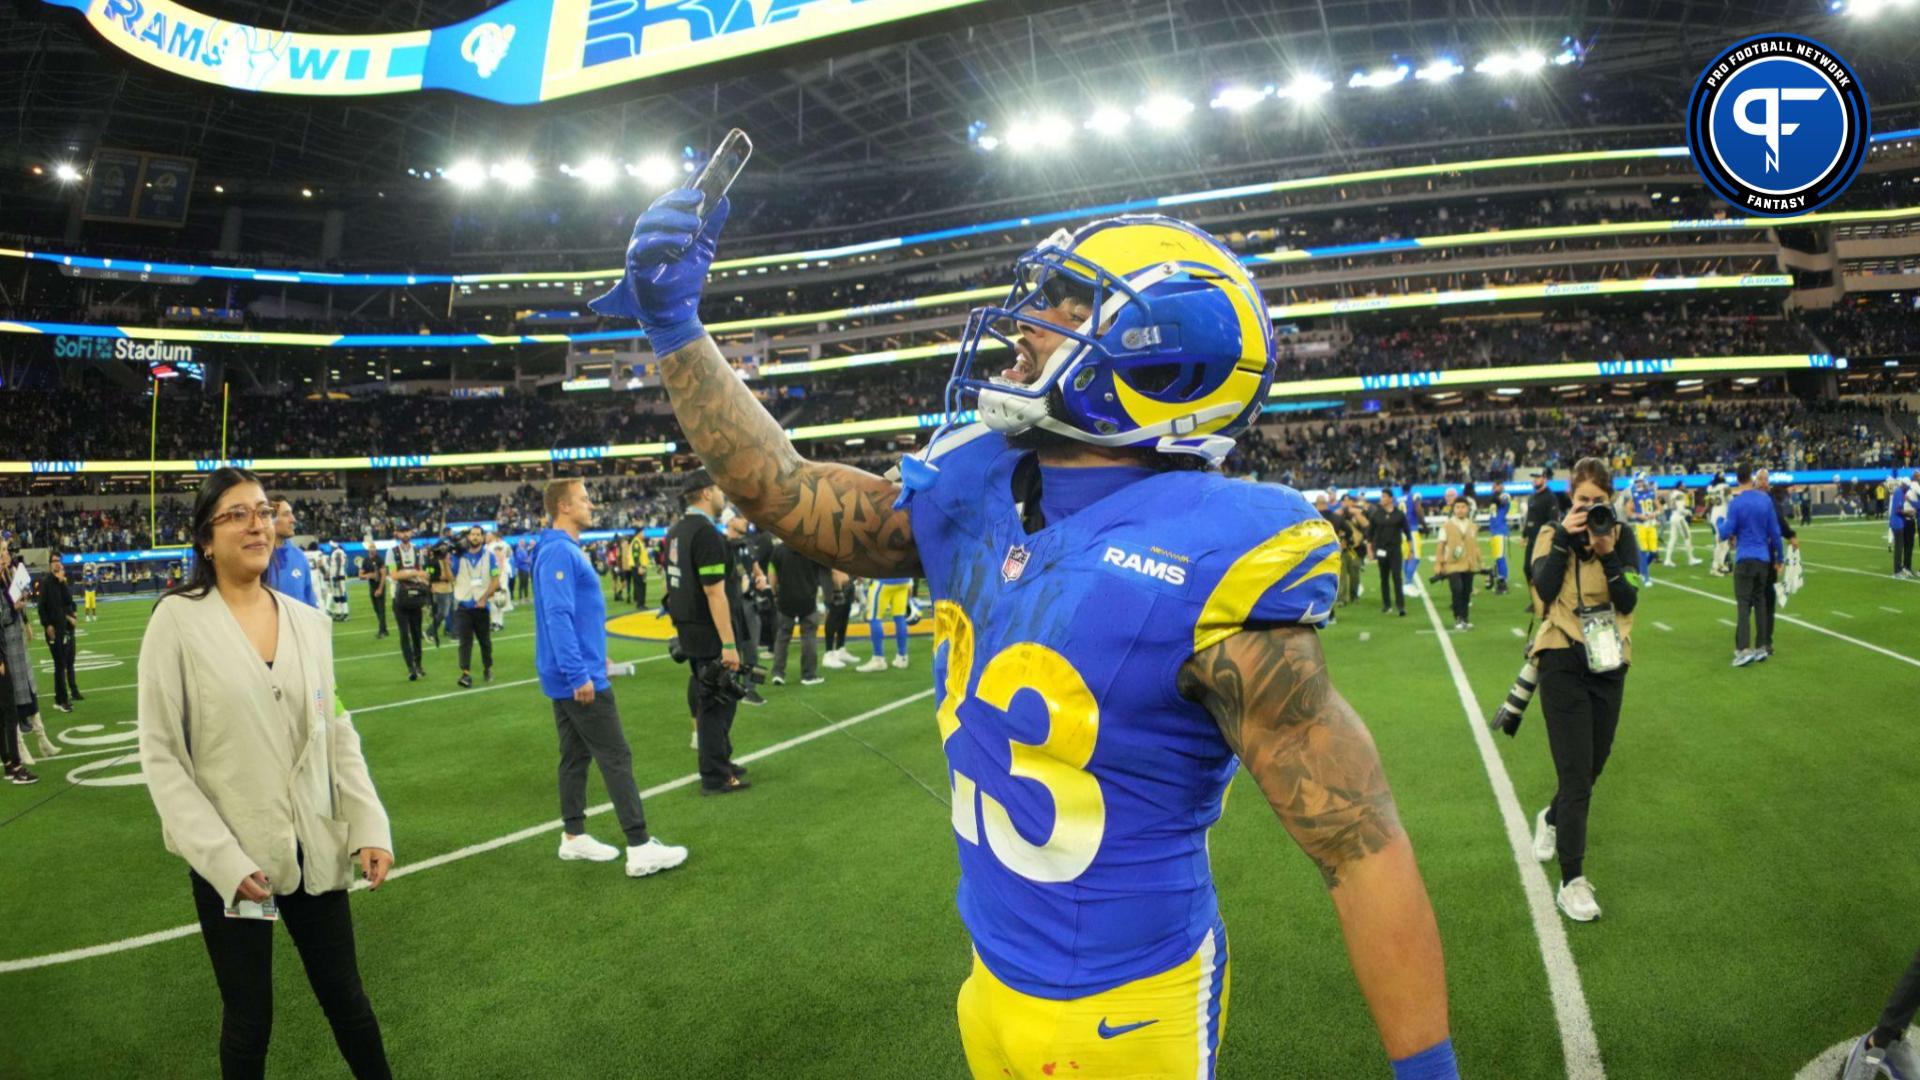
(1778, 125)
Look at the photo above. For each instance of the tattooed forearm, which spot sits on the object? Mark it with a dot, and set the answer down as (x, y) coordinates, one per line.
(1310, 753)
(835, 514)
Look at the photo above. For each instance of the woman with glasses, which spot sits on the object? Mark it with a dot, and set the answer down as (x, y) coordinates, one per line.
(260, 785)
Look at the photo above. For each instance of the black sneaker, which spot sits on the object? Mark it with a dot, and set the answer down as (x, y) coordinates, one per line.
(733, 785)
(379, 635)
(78, 696)
(737, 770)
(19, 775)
(466, 681)
(63, 707)
(487, 675)
(413, 675)
(753, 698)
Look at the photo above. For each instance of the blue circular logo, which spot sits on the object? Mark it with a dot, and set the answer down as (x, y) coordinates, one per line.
(1778, 125)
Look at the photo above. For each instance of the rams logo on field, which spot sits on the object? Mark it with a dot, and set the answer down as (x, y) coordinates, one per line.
(1158, 569)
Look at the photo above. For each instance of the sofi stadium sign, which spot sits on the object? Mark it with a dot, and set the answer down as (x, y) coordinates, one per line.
(519, 52)
(109, 348)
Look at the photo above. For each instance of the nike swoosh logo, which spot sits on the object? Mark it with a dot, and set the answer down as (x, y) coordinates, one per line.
(1112, 1032)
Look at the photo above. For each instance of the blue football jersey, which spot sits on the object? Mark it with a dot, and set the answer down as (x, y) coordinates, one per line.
(1497, 521)
(1646, 503)
(1083, 782)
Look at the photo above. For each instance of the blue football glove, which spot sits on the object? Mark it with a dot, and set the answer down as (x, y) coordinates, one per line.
(667, 262)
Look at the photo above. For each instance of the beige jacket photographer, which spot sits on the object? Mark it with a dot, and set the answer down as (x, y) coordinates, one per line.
(238, 787)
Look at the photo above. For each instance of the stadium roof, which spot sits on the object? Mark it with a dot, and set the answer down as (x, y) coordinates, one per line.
(902, 106)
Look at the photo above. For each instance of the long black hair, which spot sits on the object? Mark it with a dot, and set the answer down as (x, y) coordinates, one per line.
(200, 577)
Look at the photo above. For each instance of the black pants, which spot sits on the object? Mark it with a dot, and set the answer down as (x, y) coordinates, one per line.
(242, 955)
(442, 616)
(1392, 581)
(522, 582)
(592, 733)
(63, 648)
(837, 614)
(1462, 584)
(801, 626)
(379, 598)
(1583, 712)
(1898, 1015)
(475, 622)
(639, 590)
(9, 724)
(1903, 548)
(1753, 592)
(713, 723)
(411, 642)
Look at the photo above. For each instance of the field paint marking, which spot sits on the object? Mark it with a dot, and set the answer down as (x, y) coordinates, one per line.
(1829, 1063)
(1366, 635)
(546, 828)
(1882, 548)
(1517, 632)
(1894, 610)
(1723, 622)
(1578, 1044)
(1863, 573)
(1842, 614)
(1664, 626)
(1810, 626)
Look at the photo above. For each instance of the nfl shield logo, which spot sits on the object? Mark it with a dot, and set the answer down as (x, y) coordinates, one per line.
(1015, 564)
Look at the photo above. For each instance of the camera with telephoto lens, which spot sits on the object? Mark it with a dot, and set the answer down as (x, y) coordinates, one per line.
(1507, 717)
(728, 685)
(1601, 519)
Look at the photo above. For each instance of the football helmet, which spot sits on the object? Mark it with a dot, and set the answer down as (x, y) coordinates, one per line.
(1176, 356)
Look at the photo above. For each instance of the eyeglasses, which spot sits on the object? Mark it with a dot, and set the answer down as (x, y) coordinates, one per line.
(242, 515)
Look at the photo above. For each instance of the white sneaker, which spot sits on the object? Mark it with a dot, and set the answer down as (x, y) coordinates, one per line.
(1546, 838)
(695, 744)
(813, 680)
(900, 661)
(1576, 900)
(878, 663)
(584, 847)
(778, 680)
(653, 857)
(833, 660)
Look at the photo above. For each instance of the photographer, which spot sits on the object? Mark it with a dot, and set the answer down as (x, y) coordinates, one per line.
(1582, 648)
(703, 592)
(748, 550)
(406, 572)
(1458, 559)
(796, 587)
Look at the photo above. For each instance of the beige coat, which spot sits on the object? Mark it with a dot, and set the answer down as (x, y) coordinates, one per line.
(215, 746)
(1462, 533)
(1559, 627)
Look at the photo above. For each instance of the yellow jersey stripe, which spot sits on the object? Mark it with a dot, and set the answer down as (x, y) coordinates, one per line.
(1252, 574)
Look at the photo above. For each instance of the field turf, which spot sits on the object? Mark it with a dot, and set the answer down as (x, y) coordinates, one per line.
(1748, 845)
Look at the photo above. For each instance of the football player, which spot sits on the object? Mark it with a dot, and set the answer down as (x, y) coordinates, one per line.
(90, 590)
(1643, 506)
(1499, 529)
(1117, 627)
(1717, 495)
(887, 599)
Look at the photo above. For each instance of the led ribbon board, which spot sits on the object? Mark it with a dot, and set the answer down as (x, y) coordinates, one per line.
(520, 52)
(1491, 295)
(1597, 370)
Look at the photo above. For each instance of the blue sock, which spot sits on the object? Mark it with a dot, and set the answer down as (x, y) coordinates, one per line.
(900, 634)
(879, 637)
(1500, 568)
(1413, 569)
(1646, 566)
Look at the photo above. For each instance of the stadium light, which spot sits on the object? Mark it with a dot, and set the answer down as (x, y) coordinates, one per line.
(1306, 88)
(1041, 131)
(1164, 111)
(515, 174)
(66, 173)
(1380, 78)
(988, 143)
(466, 174)
(655, 172)
(306, 193)
(1107, 120)
(1439, 71)
(1240, 98)
(1525, 62)
(596, 173)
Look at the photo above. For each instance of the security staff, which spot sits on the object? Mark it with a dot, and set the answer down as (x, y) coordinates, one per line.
(1387, 529)
(703, 592)
(374, 574)
(1544, 507)
(750, 550)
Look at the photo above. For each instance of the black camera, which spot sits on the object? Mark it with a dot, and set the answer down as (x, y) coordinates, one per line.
(728, 685)
(1601, 519)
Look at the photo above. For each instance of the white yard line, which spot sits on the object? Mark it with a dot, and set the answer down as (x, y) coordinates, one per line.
(1902, 657)
(1842, 614)
(1578, 1044)
(1517, 632)
(1664, 626)
(1366, 636)
(337, 660)
(546, 828)
(1894, 610)
(1885, 575)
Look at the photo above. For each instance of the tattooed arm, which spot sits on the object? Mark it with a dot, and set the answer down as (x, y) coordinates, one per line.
(1312, 756)
(835, 514)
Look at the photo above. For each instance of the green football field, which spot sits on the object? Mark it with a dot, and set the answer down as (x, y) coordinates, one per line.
(1749, 845)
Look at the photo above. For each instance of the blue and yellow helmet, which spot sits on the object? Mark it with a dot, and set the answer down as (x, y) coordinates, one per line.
(1177, 356)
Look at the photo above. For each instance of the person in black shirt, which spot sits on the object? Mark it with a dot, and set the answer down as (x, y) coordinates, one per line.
(839, 609)
(375, 576)
(796, 591)
(1544, 507)
(750, 551)
(1386, 529)
(58, 617)
(703, 592)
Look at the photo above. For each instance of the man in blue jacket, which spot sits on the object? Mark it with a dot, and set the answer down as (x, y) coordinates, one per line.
(1753, 527)
(287, 570)
(1901, 522)
(570, 655)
